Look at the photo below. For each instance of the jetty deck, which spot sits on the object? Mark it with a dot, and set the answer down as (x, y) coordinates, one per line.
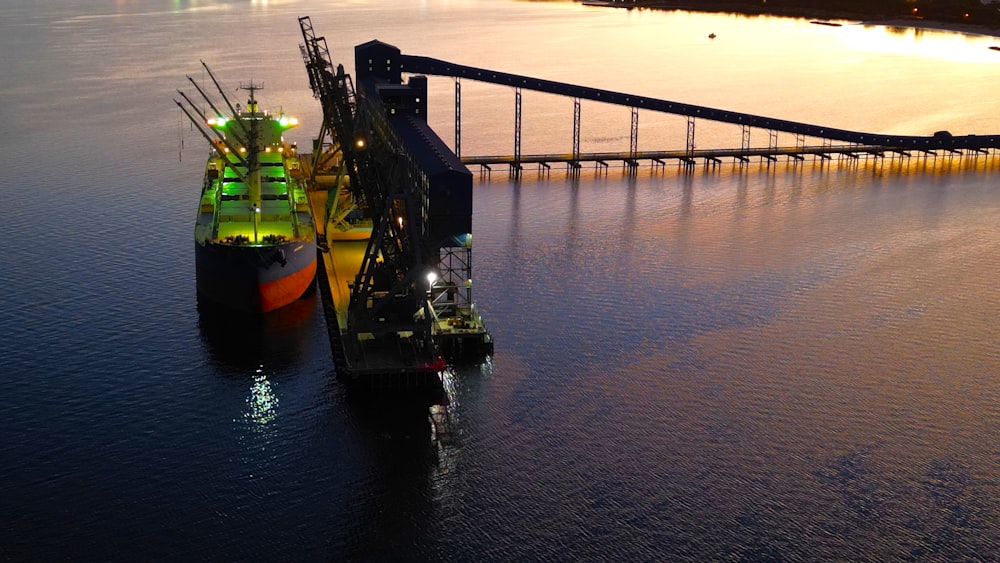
(341, 261)
(377, 361)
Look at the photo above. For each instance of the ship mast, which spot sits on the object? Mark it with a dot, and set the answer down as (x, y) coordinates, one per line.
(253, 153)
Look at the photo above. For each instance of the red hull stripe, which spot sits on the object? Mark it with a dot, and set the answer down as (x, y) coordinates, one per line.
(283, 291)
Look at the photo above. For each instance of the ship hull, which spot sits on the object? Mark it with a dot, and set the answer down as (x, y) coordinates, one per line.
(255, 279)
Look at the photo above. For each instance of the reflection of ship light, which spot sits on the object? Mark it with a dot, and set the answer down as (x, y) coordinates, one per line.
(448, 382)
(262, 403)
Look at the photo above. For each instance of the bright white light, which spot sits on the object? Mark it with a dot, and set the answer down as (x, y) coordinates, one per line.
(262, 403)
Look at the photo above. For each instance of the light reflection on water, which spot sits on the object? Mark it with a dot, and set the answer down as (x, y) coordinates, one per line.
(808, 346)
(262, 403)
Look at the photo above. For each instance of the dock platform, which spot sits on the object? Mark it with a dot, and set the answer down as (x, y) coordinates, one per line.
(385, 360)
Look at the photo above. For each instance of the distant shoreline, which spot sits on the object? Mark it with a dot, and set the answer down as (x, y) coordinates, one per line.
(793, 12)
(964, 29)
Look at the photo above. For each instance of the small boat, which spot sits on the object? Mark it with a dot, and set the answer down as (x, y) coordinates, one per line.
(826, 23)
(255, 242)
(711, 35)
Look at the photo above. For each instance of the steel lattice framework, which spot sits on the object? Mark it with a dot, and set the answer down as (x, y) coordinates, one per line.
(391, 286)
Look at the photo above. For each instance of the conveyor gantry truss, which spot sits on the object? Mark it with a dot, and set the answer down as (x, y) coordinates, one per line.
(390, 291)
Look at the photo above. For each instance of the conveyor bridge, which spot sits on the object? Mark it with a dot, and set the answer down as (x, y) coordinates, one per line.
(833, 140)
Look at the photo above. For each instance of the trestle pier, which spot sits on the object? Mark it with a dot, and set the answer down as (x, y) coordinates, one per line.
(709, 156)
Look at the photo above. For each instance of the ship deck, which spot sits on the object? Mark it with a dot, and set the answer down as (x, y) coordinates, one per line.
(276, 215)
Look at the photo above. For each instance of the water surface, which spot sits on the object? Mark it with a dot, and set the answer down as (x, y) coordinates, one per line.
(757, 363)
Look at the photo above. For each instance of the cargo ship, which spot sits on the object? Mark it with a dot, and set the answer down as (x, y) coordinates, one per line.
(255, 241)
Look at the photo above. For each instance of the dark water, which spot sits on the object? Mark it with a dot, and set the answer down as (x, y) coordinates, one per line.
(758, 364)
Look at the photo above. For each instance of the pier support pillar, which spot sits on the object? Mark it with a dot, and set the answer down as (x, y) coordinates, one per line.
(633, 148)
(515, 169)
(827, 143)
(576, 132)
(772, 144)
(458, 117)
(689, 149)
(745, 144)
(800, 146)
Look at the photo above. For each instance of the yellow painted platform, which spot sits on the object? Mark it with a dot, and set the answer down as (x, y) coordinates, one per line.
(341, 263)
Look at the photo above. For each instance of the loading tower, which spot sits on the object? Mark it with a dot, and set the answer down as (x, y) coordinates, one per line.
(414, 283)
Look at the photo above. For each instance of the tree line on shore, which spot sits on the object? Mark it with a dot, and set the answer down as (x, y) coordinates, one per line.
(972, 12)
